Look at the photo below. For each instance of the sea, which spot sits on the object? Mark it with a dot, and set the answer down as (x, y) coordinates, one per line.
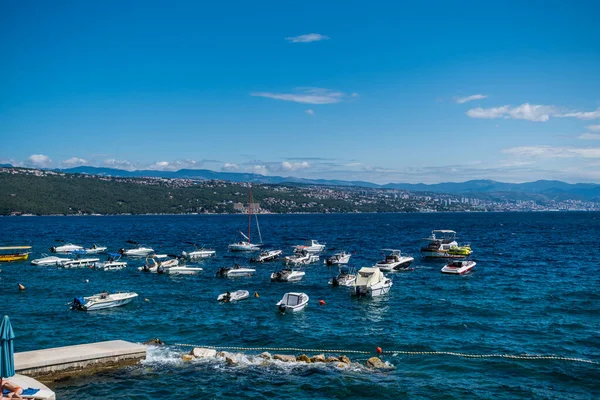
(535, 290)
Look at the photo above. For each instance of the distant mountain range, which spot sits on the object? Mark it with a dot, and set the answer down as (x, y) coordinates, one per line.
(542, 189)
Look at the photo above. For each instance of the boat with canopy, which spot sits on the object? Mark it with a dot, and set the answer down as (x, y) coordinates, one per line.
(14, 253)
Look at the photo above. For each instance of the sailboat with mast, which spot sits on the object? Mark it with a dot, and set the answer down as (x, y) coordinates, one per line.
(247, 245)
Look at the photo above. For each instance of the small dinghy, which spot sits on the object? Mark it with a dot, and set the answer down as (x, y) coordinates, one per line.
(338, 258)
(266, 255)
(181, 270)
(138, 251)
(235, 271)
(158, 263)
(102, 300)
(48, 260)
(346, 277)
(287, 275)
(293, 302)
(302, 258)
(233, 296)
(458, 267)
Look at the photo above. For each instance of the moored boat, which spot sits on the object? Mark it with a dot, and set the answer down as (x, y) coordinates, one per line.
(229, 297)
(14, 253)
(442, 244)
(338, 258)
(138, 251)
(78, 261)
(199, 253)
(458, 267)
(266, 255)
(310, 246)
(113, 263)
(371, 282)
(394, 261)
(102, 300)
(47, 260)
(287, 275)
(158, 263)
(235, 271)
(292, 302)
(345, 277)
(95, 249)
(301, 258)
(66, 248)
(247, 245)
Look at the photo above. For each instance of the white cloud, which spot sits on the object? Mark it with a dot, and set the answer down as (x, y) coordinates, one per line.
(590, 136)
(39, 160)
(119, 164)
(293, 166)
(594, 128)
(529, 112)
(310, 112)
(173, 165)
(260, 169)
(553, 152)
(496, 112)
(230, 167)
(306, 96)
(461, 100)
(582, 114)
(74, 162)
(307, 38)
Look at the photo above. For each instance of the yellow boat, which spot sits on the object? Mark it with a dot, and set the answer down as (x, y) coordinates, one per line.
(14, 253)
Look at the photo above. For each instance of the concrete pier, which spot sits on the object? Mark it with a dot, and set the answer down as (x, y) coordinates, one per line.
(83, 359)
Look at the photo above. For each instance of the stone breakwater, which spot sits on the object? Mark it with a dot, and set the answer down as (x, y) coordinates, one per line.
(199, 353)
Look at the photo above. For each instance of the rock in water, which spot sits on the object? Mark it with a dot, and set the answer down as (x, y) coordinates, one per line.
(200, 352)
(231, 360)
(331, 359)
(187, 357)
(376, 363)
(284, 358)
(318, 358)
(344, 359)
(303, 358)
(266, 355)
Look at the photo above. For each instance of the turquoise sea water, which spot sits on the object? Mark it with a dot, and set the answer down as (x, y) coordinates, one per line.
(535, 289)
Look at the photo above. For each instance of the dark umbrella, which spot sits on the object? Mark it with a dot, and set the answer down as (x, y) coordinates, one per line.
(7, 356)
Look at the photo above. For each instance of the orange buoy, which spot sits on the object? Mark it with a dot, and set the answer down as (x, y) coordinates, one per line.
(322, 302)
(21, 287)
(256, 294)
(379, 351)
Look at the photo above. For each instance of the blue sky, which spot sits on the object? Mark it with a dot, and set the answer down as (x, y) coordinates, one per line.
(377, 91)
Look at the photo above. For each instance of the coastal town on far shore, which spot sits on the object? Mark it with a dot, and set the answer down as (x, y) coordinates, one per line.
(225, 198)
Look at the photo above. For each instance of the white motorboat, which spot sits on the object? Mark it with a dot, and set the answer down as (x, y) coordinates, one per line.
(199, 253)
(458, 267)
(302, 258)
(158, 263)
(310, 246)
(394, 261)
(266, 255)
(181, 270)
(345, 277)
(247, 245)
(138, 251)
(65, 248)
(293, 302)
(48, 260)
(235, 271)
(338, 259)
(233, 296)
(113, 263)
(95, 249)
(102, 300)
(287, 275)
(78, 262)
(371, 282)
(442, 244)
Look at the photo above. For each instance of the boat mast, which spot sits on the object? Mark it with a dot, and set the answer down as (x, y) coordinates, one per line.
(249, 211)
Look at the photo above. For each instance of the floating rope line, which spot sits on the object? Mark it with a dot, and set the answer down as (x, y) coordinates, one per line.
(398, 352)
